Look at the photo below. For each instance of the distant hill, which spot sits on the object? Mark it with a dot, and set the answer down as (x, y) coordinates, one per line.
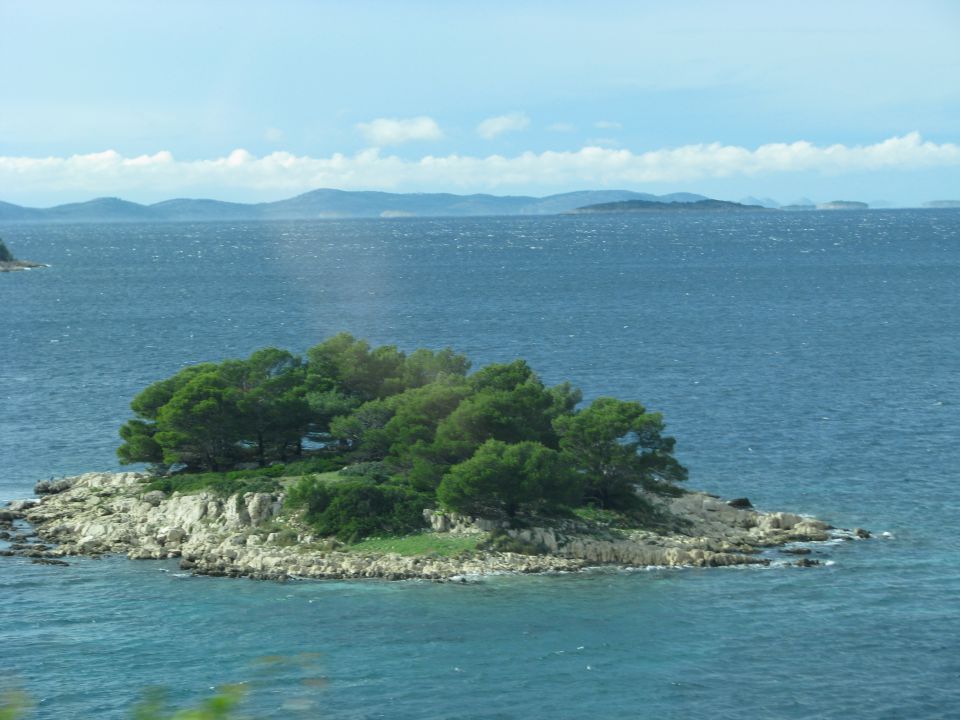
(942, 204)
(114, 208)
(15, 212)
(326, 203)
(707, 205)
(185, 209)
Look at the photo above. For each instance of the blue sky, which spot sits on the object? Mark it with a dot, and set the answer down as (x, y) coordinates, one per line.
(257, 101)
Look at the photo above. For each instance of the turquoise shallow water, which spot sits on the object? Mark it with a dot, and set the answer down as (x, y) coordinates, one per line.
(809, 361)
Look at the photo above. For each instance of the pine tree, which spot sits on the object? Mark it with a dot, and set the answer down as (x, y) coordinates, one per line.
(5, 254)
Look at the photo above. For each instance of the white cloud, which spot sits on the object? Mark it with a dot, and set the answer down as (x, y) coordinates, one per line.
(607, 125)
(491, 127)
(603, 142)
(160, 175)
(393, 131)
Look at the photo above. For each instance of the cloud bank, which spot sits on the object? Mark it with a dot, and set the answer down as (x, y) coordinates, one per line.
(393, 131)
(161, 175)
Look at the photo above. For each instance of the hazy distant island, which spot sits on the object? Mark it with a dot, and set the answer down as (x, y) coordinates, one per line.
(632, 206)
(8, 263)
(370, 462)
(942, 204)
(843, 205)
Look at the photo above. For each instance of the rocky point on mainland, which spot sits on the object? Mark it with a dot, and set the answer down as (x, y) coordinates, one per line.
(248, 536)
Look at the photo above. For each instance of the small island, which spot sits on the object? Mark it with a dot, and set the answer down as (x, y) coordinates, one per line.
(634, 206)
(363, 462)
(843, 205)
(8, 263)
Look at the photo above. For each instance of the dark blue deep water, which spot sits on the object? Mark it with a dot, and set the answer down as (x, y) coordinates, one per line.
(810, 361)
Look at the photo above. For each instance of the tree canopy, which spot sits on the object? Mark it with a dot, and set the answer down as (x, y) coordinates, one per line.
(214, 416)
(616, 445)
(415, 430)
(506, 477)
(5, 254)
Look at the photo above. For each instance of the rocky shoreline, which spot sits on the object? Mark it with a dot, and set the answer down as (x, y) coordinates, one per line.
(247, 536)
(14, 265)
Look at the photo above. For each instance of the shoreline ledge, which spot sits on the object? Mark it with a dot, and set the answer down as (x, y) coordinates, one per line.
(246, 535)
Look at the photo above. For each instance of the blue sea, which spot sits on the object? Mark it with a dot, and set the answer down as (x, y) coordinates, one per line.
(809, 361)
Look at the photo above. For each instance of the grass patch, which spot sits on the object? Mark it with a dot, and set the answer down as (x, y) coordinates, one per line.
(426, 543)
(329, 477)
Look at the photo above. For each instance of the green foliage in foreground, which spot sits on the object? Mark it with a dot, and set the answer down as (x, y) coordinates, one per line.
(414, 431)
(218, 707)
(221, 706)
(268, 685)
(14, 705)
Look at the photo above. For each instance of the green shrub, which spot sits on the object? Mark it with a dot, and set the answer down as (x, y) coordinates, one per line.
(356, 509)
(310, 493)
(223, 484)
(316, 464)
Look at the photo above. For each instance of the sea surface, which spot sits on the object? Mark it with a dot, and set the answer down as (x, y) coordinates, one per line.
(809, 361)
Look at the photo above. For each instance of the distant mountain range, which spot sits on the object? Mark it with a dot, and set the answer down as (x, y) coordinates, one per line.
(331, 204)
(319, 204)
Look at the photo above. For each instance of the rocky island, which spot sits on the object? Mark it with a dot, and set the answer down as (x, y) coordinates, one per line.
(417, 469)
(705, 205)
(8, 263)
(249, 535)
